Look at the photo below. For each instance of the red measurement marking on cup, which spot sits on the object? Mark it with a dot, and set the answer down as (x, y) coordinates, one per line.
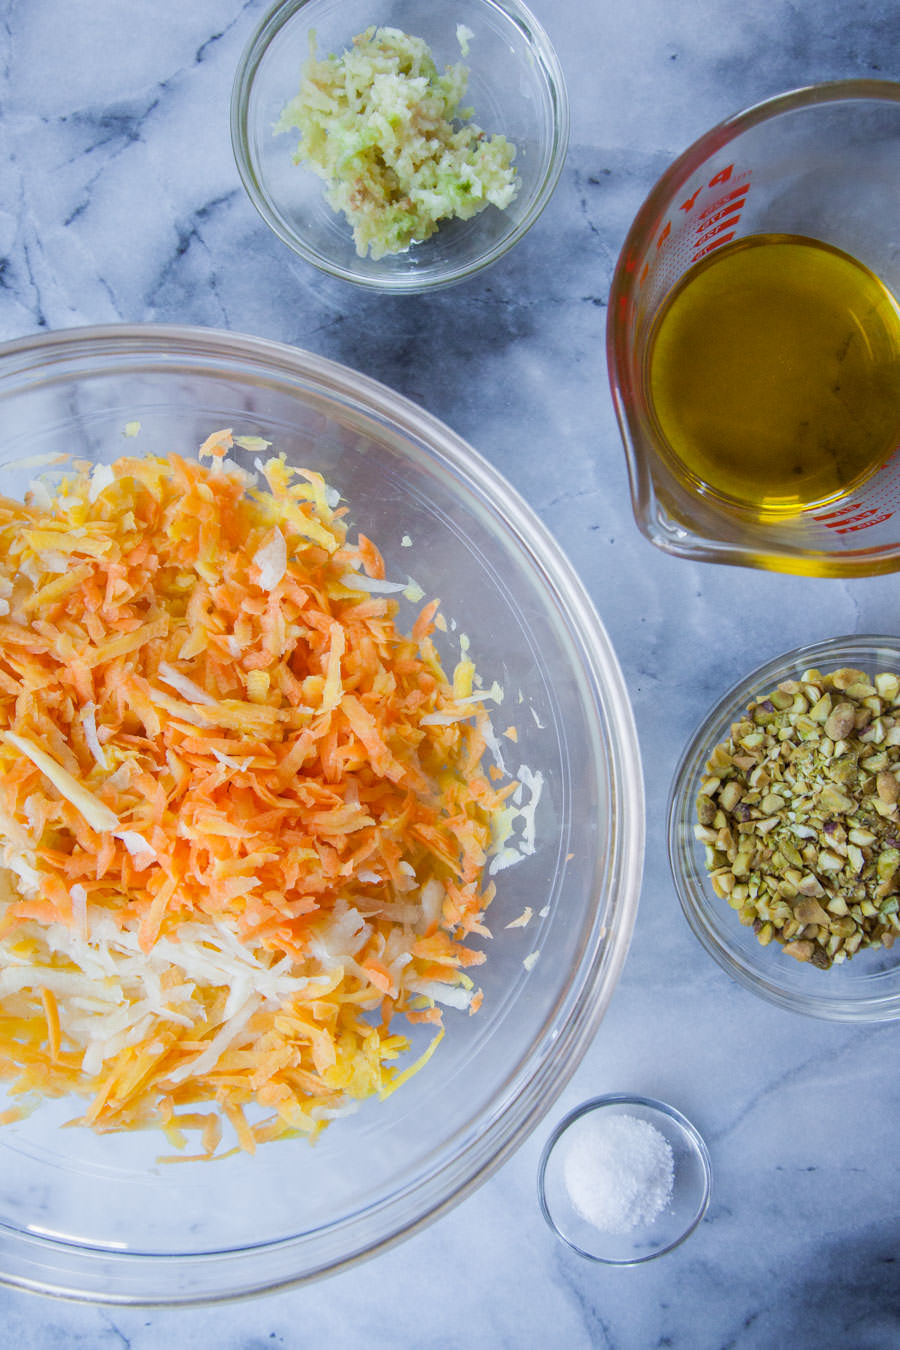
(717, 222)
(848, 519)
(721, 177)
(716, 243)
(714, 226)
(724, 205)
(680, 242)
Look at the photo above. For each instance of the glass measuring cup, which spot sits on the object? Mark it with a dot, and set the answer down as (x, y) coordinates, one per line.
(819, 163)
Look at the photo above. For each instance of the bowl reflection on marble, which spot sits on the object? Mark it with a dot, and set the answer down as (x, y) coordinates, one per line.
(516, 89)
(99, 1217)
(865, 987)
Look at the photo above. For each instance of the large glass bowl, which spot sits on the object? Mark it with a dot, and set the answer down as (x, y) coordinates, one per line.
(100, 1217)
(515, 87)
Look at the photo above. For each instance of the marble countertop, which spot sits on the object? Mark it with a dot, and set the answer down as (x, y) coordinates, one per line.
(120, 202)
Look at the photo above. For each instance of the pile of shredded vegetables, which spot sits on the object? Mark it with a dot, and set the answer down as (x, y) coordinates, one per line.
(244, 819)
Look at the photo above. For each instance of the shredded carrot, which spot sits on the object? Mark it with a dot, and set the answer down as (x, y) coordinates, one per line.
(244, 820)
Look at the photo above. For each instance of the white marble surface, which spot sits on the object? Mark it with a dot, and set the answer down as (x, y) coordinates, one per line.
(120, 201)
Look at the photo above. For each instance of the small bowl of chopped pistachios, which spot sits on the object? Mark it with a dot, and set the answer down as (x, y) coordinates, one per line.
(402, 146)
(784, 830)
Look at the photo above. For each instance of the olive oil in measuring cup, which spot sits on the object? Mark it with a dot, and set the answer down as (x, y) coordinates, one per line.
(773, 372)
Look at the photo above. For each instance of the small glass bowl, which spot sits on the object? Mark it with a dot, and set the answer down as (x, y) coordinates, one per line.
(515, 87)
(690, 1194)
(865, 988)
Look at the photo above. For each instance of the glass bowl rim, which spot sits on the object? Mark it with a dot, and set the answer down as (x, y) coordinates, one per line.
(651, 1104)
(402, 283)
(713, 936)
(30, 361)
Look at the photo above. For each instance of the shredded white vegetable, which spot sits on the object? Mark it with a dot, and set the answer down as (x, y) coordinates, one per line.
(271, 560)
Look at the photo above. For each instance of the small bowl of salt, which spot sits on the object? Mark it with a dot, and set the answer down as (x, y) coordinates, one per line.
(624, 1179)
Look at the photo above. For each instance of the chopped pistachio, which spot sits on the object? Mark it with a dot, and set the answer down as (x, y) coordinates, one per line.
(840, 721)
(730, 795)
(831, 800)
(706, 809)
(799, 815)
(810, 911)
(888, 686)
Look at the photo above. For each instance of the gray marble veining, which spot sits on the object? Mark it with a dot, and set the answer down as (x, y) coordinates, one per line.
(119, 200)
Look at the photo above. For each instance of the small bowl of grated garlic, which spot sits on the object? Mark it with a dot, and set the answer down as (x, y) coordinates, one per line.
(624, 1179)
(402, 148)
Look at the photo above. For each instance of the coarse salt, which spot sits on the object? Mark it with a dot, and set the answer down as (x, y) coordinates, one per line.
(619, 1172)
